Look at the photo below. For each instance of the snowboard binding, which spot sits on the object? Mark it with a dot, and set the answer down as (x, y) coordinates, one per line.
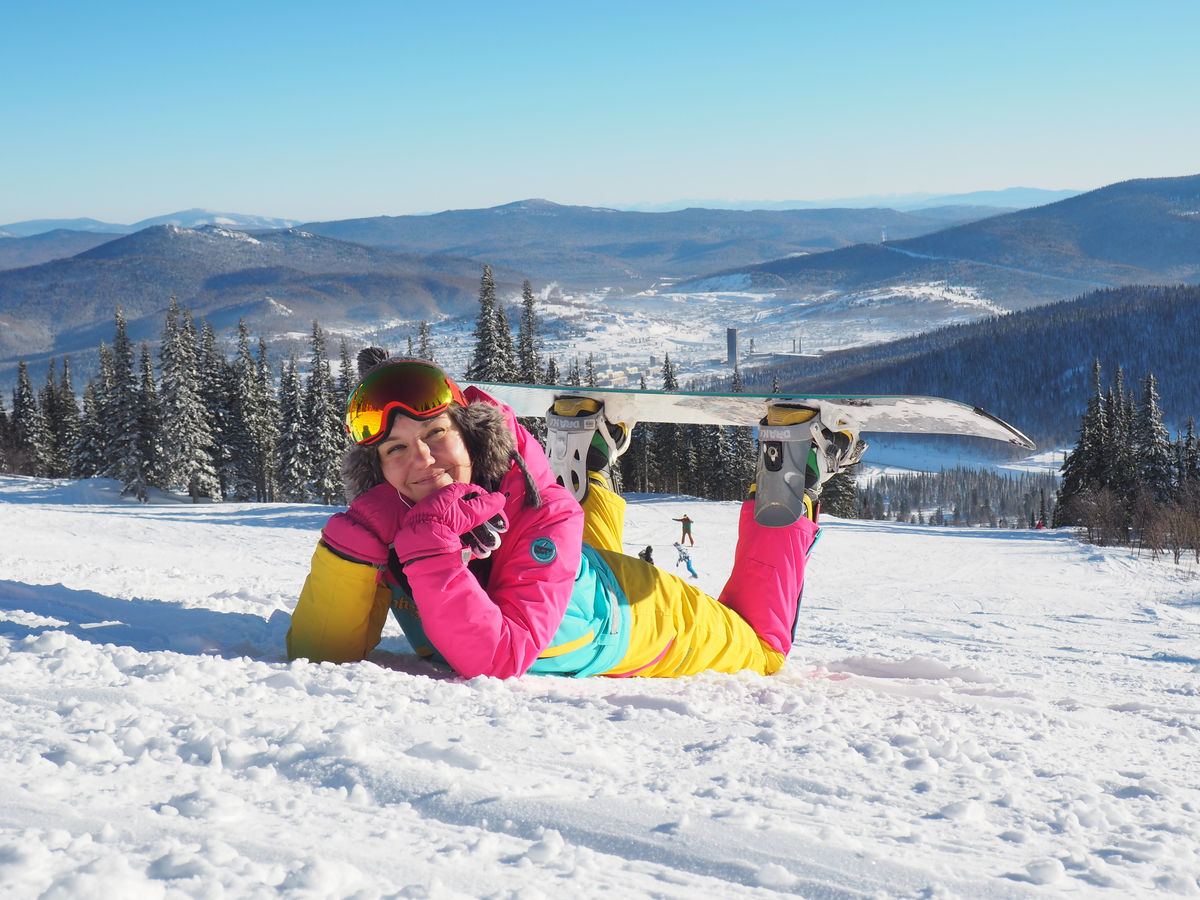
(801, 446)
(580, 441)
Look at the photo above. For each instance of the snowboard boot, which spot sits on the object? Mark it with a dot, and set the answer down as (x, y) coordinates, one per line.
(581, 443)
(801, 446)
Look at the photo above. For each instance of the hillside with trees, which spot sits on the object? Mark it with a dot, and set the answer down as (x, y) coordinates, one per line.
(1031, 367)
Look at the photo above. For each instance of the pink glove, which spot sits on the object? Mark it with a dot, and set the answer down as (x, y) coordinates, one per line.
(364, 531)
(455, 516)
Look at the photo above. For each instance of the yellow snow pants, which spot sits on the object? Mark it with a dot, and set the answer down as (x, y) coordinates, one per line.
(677, 629)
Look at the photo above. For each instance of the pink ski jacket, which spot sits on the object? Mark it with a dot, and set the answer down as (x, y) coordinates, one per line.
(498, 622)
(540, 602)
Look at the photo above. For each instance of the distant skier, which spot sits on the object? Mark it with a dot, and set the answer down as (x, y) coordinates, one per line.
(687, 530)
(685, 558)
(647, 554)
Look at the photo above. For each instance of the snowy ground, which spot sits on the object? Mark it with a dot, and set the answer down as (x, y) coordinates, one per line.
(967, 713)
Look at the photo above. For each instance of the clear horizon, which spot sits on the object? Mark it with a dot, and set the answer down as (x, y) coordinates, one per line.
(311, 112)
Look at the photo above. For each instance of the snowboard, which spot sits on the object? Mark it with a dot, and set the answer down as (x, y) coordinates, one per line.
(897, 414)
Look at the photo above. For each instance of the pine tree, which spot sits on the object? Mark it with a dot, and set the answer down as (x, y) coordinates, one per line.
(529, 363)
(292, 473)
(149, 445)
(552, 375)
(1084, 469)
(87, 458)
(1188, 457)
(215, 387)
(324, 412)
(484, 366)
(635, 463)
(425, 348)
(184, 430)
(31, 442)
(267, 434)
(506, 354)
(669, 442)
(743, 453)
(425, 342)
(1152, 446)
(589, 371)
(348, 372)
(247, 440)
(1121, 470)
(124, 405)
(69, 423)
(839, 497)
(99, 433)
(5, 440)
(60, 416)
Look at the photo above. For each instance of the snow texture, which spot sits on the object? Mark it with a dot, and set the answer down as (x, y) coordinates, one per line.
(967, 713)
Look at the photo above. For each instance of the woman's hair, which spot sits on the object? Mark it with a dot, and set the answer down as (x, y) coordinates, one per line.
(490, 444)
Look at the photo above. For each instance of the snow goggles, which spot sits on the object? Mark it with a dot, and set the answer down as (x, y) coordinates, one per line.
(418, 389)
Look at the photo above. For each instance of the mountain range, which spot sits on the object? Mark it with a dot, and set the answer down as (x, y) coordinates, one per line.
(1136, 232)
(864, 274)
(372, 273)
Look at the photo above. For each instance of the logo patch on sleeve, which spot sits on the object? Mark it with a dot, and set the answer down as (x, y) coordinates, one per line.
(543, 550)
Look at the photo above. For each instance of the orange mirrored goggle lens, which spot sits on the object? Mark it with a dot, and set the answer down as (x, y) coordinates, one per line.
(419, 389)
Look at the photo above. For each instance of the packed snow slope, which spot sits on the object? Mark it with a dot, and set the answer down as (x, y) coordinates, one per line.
(967, 713)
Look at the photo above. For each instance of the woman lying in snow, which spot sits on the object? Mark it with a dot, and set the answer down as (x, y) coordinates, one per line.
(457, 524)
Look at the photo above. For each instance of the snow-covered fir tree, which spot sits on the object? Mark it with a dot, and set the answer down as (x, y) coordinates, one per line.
(743, 452)
(60, 411)
(665, 462)
(1085, 467)
(635, 464)
(31, 439)
(124, 409)
(529, 362)
(215, 380)
(425, 348)
(1187, 456)
(505, 363)
(292, 474)
(324, 412)
(347, 370)
(485, 364)
(574, 375)
(184, 430)
(267, 435)
(1152, 446)
(252, 426)
(100, 432)
(87, 459)
(148, 439)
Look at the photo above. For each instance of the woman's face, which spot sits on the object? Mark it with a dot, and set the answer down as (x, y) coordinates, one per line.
(419, 456)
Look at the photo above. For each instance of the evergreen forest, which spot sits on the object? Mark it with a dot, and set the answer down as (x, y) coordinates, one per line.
(193, 418)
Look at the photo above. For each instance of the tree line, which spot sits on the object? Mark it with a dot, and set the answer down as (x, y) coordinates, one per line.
(190, 419)
(198, 422)
(1126, 481)
(958, 496)
(1018, 366)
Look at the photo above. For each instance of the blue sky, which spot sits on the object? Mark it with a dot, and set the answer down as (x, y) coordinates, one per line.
(316, 111)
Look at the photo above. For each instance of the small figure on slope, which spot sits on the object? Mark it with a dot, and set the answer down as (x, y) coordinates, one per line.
(684, 557)
(686, 525)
